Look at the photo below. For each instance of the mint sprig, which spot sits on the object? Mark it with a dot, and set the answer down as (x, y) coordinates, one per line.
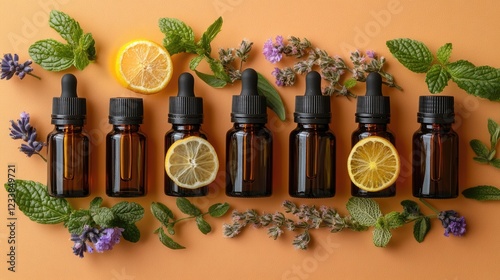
(34, 201)
(168, 221)
(480, 81)
(485, 154)
(179, 38)
(53, 55)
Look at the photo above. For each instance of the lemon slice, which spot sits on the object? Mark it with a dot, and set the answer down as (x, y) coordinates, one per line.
(373, 164)
(192, 162)
(143, 66)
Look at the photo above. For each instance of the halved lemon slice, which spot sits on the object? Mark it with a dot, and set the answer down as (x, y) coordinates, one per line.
(143, 66)
(192, 162)
(373, 164)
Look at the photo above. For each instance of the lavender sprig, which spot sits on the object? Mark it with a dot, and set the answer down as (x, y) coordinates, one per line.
(11, 67)
(22, 129)
(102, 239)
(332, 69)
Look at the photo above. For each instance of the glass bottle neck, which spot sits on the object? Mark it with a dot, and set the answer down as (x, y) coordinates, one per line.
(186, 127)
(322, 126)
(126, 127)
(436, 126)
(373, 126)
(248, 125)
(69, 128)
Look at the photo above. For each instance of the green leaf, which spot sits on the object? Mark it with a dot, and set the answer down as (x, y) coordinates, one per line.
(80, 59)
(77, 220)
(421, 228)
(482, 193)
(34, 201)
(482, 81)
(437, 78)
(96, 203)
(350, 83)
(51, 55)
(178, 36)
(273, 98)
(66, 26)
(218, 209)
(211, 80)
(131, 232)
(381, 236)
(495, 162)
(413, 54)
(444, 53)
(209, 35)
(479, 148)
(161, 212)
(167, 241)
(128, 212)
(411, 209)
(203, 226)
(494, 131)
(218, 69)
(364, 210)
(102, 216)
(187, 207)
(394, 220)
(195, 61)
(491, 155)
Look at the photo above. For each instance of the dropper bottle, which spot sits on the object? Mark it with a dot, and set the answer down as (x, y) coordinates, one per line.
(312, 144)
(249, 150)
(126, 149)
(186, 116)
(373, 115)
(68, 145)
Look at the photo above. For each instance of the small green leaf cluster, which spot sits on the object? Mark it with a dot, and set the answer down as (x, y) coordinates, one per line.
(167, 219)
(179, 38)
(367, 213)
(34, 201)
(53, 55)
(480, 81)
(485, 154)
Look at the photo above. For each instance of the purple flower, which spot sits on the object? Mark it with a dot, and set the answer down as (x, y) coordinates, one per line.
(284, 77)
(11, 66)
(273, 52)
(371, 54)
(452, 223)
(103, 240)
(22, 129)
(108, 237)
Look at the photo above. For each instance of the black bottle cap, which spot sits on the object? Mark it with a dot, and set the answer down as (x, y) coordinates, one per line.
(69, 108)
(313, 107)
(125, 110)
(436, 109)
(373, 107)
(249, 106)
(185, 108)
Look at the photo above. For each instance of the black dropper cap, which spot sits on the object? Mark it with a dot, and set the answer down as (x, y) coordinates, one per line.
(125, 110)
(373, 107)
(436, 109)
(249, 106)
(69, 108)
(185, 108)
(313, 107)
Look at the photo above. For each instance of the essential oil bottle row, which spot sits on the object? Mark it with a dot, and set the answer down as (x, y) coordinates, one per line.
(249, 144)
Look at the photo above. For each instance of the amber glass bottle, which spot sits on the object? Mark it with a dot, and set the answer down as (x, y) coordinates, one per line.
(249, 152)
(68, 146)
(373, 115)
(186, 116)
(126, 149)
(312, 144)
(435, 149)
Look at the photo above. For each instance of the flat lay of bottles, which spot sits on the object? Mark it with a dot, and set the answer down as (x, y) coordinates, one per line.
(249, 143)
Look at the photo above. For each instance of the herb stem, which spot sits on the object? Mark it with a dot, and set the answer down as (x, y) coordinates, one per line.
(33, 75)
(428, 205)
(44, 159)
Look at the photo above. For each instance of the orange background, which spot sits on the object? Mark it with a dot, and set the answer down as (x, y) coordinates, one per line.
(44, 251)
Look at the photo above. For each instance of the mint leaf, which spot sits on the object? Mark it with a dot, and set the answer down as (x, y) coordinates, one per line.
(167, 241)
(51, 55)
(34, 201)
(218, 69)
(218, 209)
(102, 216)
(273, 98)
(203, 226)
(495, 162)
(421, 228)
(67, 27)
(161, 212)
(178, 36)
(494, 131)
(193, 63)
(437, 78)
(411, 210)
(413, 54)
(482, 81)
(187, 207)
(394, 220)
(364, 210)
(482, 193)
(77, 220)
(443, 53)
(128, 212)
(381, 236)
(350, 83)
(131, 232)
(211, 80)
(96, 203)
(479, 148)
(209, 35)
